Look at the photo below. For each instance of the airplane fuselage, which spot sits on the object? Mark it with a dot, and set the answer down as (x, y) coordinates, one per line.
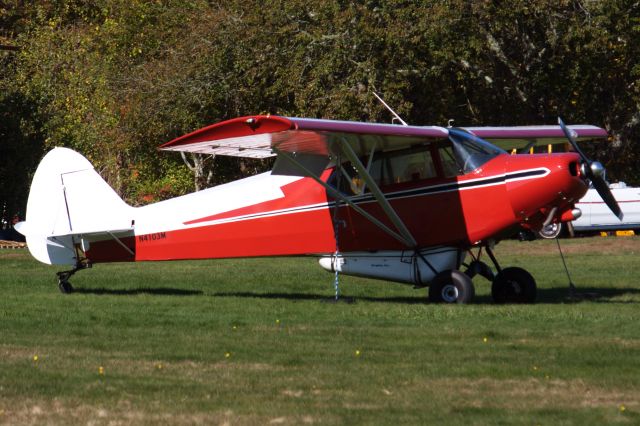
(270, 215)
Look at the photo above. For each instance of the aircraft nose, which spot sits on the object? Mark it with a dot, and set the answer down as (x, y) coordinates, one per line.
(554, 181)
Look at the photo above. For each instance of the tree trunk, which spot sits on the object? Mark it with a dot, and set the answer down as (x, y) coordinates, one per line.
(201, 178)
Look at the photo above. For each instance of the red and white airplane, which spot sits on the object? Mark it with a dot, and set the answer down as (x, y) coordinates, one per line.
(399, 203)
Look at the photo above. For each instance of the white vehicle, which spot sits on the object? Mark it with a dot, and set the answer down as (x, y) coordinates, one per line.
(596, 216)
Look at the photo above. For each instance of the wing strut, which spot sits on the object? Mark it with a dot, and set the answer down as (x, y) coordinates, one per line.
(379, 196)
(336, 194)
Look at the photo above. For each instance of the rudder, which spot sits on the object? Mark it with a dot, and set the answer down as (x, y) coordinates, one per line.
(67, 201)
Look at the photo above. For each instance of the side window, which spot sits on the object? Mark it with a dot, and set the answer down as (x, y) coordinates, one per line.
(449, 164)
(404, 166)
(381, 171)
(412, 167)
(395, 167)
(346, 179)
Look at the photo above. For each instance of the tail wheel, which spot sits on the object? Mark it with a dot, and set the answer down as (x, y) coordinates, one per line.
(65, 287)
(514, 285)
(63, 278)
(451, 287)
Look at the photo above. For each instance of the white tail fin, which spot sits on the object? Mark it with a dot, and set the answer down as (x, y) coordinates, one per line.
(69, 201)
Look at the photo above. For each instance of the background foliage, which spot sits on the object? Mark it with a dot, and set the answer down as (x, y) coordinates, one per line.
(114, 79)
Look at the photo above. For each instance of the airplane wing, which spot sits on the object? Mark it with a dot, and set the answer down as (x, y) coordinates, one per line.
(258, 136)
(261, 136)
(520, 136)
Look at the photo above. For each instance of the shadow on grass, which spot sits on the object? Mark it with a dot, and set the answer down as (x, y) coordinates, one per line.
(593, 294)
(323, 297)
(136, 291)
(558, 295)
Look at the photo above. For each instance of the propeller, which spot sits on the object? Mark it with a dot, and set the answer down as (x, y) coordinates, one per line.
(594, 171)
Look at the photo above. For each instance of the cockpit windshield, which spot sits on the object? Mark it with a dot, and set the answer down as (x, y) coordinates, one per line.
(470, 151)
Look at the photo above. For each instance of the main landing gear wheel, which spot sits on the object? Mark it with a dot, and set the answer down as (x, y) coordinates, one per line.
(514, 285)
(451, 287)
(550, 231)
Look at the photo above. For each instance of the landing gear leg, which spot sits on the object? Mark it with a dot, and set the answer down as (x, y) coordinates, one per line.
(493, 259)
(477, 267)
(63, 277)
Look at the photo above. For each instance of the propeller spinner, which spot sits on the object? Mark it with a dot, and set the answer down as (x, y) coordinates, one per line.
(594, 171)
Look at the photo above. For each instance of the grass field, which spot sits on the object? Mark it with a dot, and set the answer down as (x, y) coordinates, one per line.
(253, 342)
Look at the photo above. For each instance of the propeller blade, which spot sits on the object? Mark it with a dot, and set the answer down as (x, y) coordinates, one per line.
(603, 190)
(595, 174)
(572, 141)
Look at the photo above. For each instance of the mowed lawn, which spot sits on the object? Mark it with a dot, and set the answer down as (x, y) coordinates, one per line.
(254, 341)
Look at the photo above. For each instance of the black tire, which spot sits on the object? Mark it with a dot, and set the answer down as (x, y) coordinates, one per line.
(451, 287)
(550, 231)
(514, 285)
(65, 286)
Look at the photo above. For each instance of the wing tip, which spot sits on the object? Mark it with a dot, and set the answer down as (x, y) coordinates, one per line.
(235, 127)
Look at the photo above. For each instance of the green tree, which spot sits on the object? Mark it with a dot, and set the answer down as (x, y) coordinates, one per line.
(114, 79)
